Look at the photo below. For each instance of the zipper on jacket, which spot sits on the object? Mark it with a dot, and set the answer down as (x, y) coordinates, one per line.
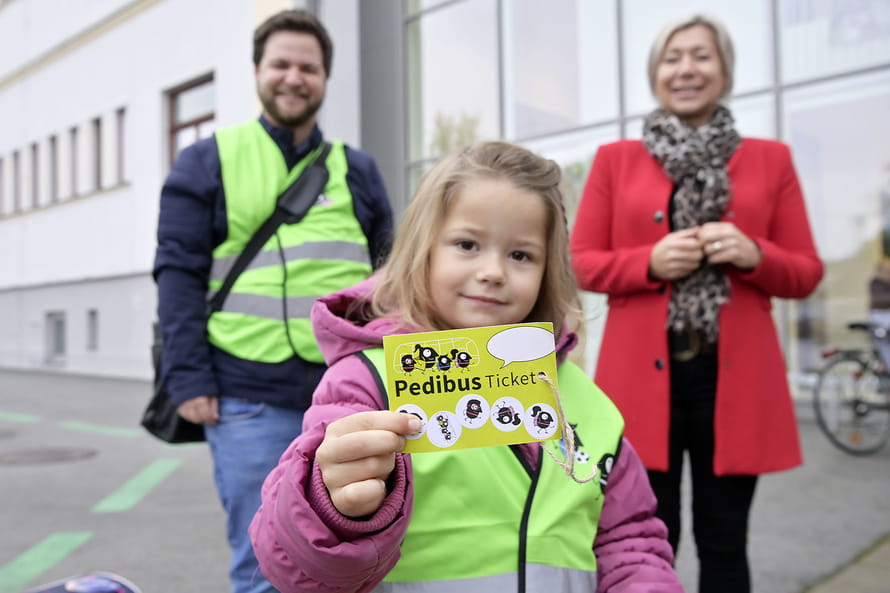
(377, 378)
(535, 473)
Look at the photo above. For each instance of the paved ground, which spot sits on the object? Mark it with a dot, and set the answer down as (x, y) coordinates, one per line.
(811, 527)
(868, 573)
(125, 502)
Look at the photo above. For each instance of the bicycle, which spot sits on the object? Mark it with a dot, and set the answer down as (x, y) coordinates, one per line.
(852, 395)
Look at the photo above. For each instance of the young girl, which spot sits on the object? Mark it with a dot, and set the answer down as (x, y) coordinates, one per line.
(483, 242)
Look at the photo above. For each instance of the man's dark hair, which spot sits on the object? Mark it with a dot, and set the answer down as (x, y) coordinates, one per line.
(299, 21)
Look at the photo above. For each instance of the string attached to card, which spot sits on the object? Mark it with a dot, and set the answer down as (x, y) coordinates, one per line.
(568, 435)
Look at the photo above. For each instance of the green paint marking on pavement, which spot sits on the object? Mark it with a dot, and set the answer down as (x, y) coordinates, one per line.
(137, 487)
(24, 418)
(181, 445)
(100, 429)
(39, 558)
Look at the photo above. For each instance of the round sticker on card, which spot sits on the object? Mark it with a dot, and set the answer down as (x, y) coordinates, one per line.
(540, 421)
(473, 410)
(506, 414)
(444, 429)
(417, 411)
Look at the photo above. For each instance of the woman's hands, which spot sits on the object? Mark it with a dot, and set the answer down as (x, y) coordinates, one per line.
(357, 455)
(680, 253)
(724, 243)
(676, 255)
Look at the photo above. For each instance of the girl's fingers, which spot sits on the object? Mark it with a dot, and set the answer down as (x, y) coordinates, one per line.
(341, 474)
(359, 499)
(358, 445)
(403, 424)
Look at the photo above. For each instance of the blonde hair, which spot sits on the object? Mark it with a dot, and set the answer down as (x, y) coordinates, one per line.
(403, 289)
(722, 41)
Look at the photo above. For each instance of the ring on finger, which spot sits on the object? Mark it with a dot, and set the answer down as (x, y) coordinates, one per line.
(716, 246)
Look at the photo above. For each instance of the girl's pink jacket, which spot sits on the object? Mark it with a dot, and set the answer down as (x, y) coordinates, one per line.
(303, 544)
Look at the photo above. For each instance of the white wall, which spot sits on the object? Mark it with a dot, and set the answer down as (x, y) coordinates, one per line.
(67, 63)
(340, 115)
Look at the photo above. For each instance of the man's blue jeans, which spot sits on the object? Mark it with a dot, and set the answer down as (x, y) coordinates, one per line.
(246, 446)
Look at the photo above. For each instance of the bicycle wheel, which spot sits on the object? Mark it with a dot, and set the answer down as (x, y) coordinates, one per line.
(851, 403)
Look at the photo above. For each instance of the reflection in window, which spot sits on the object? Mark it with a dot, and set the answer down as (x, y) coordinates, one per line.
(412, 6)
(754, 115)
(192, 113)
(574, 152)
(558, 67)
(453, 77)
(845, 172)
(823, 38)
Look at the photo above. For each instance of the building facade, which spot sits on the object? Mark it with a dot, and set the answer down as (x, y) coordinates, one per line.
(97, 100)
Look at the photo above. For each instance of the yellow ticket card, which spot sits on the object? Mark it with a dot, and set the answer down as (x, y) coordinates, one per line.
(474, 387)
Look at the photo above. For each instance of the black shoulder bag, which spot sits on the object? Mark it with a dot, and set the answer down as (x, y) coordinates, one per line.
(160, 417)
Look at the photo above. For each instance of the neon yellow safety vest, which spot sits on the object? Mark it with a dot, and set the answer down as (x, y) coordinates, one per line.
(517, 528)
(266, 315)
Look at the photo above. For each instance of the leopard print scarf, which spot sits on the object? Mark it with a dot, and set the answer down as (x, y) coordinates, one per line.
(695, 159)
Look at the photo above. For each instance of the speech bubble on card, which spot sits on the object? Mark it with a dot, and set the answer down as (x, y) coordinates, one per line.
(521, 344)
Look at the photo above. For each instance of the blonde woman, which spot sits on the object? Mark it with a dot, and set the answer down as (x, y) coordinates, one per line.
(691, 232)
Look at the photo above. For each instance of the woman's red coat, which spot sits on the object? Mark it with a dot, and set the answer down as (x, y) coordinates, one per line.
(624, 211)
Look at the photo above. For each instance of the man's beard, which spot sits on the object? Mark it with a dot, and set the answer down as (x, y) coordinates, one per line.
(294, 120)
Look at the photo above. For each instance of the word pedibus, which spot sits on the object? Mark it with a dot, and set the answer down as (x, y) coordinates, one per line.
(474, 387)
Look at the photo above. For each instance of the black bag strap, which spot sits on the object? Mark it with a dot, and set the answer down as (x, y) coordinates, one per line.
(290, 208)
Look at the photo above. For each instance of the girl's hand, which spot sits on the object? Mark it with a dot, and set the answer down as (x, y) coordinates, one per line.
(676, 255)
(724, 243)
(357, 455)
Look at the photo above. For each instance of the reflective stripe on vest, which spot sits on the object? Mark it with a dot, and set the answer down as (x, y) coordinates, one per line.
(538, 577)
(513, 529)
(325, 252)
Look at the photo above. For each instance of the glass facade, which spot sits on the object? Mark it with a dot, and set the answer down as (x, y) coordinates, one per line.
(565, 76)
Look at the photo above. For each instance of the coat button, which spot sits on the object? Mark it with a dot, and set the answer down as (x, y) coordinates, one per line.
(730, 214)
(659, 364)
(658, 216)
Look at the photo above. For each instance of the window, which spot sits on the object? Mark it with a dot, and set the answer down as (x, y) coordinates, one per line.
(580, 37)
(92, 330)
(565, 76)
(53, 169)
(845, 174)
(16, 182)
(72, 154)
(35, 175)
(192, 113)
(453, 78)
(120, 119)
(824, 38)
(55, 336)
(97, 153)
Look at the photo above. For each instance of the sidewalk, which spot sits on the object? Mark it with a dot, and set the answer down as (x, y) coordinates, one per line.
(868, 573)
(823, 527)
